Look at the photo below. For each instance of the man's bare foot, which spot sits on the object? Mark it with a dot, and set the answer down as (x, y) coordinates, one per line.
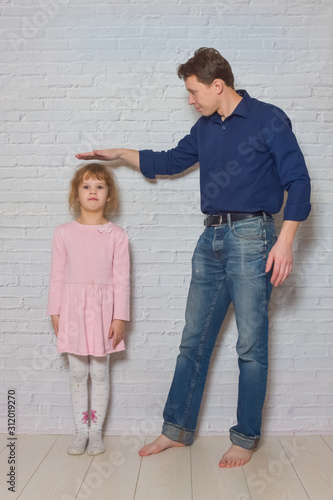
(235, 457)
(160, 444)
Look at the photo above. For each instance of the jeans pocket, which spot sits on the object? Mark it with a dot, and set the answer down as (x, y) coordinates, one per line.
(271, 235)
(248, 229)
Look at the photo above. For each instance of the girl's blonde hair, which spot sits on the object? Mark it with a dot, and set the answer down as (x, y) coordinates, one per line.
(96, 171)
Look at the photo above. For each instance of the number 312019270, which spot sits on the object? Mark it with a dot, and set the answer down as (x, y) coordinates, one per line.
(11, 412)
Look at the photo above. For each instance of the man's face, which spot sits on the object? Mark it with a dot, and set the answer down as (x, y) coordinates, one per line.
(203, 97)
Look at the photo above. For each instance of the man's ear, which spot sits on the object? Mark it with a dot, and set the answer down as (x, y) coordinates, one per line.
(218, 85)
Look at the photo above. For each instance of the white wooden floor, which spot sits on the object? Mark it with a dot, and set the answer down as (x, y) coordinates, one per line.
(283, 468)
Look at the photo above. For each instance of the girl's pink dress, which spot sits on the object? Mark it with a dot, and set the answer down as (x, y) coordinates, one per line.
(89, 286)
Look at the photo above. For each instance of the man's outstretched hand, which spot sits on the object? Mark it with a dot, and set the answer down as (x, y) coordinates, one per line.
(130, 156)
(99, 154)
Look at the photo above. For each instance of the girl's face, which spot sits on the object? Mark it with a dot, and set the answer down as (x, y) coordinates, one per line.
(92, 194)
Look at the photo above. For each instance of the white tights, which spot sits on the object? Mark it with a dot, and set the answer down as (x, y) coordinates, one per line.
(79, 367)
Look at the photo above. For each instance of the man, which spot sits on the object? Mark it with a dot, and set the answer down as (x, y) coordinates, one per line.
(248, 157)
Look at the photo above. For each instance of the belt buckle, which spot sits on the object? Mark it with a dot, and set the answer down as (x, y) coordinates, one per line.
(221, 220)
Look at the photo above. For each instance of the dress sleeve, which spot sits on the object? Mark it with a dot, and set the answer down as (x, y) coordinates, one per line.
(57, 274)
(171, 162)
(121, 278)
(291, 166)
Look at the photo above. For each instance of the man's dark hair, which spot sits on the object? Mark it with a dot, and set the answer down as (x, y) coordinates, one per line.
(207, 64)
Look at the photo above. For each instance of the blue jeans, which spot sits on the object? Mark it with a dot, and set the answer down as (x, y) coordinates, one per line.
(228, 265)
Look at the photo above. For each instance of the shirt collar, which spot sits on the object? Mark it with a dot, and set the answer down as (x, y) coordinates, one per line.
(242, 108)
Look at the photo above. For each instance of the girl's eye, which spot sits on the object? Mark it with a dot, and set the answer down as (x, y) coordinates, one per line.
(85, 187)
(100, 187)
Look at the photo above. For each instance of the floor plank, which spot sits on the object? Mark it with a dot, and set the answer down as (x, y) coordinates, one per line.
(114, 474)
(165, 476)
(30, 451)
(312, 460)
(328, 440)
(211, 481)
(3, 441)
(270, 475)
(59, 476)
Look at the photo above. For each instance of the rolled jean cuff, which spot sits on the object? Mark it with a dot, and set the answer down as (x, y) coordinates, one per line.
(178, 434)
(249, 443)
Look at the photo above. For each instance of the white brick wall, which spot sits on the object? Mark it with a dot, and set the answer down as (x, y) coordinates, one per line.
(77, 75)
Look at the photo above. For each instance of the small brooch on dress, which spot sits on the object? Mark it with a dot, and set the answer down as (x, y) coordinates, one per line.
(104, 227)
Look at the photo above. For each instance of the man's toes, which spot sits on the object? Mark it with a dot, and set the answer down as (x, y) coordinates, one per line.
(144, 452)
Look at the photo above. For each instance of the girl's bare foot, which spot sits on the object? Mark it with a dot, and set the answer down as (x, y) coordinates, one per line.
(235, 457)
(160, 444)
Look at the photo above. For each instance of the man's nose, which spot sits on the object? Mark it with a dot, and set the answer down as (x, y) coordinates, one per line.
(191, 99)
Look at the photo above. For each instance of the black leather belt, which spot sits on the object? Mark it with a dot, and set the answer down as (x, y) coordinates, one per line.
(217, 220)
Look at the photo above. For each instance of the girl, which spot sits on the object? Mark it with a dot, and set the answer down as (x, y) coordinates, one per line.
(89, 298)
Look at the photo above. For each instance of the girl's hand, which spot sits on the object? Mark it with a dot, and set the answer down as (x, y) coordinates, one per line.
(55, 323)
(117, 330)
(102, 154)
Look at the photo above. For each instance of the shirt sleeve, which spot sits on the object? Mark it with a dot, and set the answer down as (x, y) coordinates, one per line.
(121, 278)
(290, 163)
(171, 162)
(57, 274)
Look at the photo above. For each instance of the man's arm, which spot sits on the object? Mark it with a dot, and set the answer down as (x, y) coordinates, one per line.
(294, 179)
(152, 163)
(281, 254)
(130, 156)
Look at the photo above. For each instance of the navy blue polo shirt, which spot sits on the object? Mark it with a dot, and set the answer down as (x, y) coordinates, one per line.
(246, 161)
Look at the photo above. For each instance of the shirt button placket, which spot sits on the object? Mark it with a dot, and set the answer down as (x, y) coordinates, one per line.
(219, 155)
